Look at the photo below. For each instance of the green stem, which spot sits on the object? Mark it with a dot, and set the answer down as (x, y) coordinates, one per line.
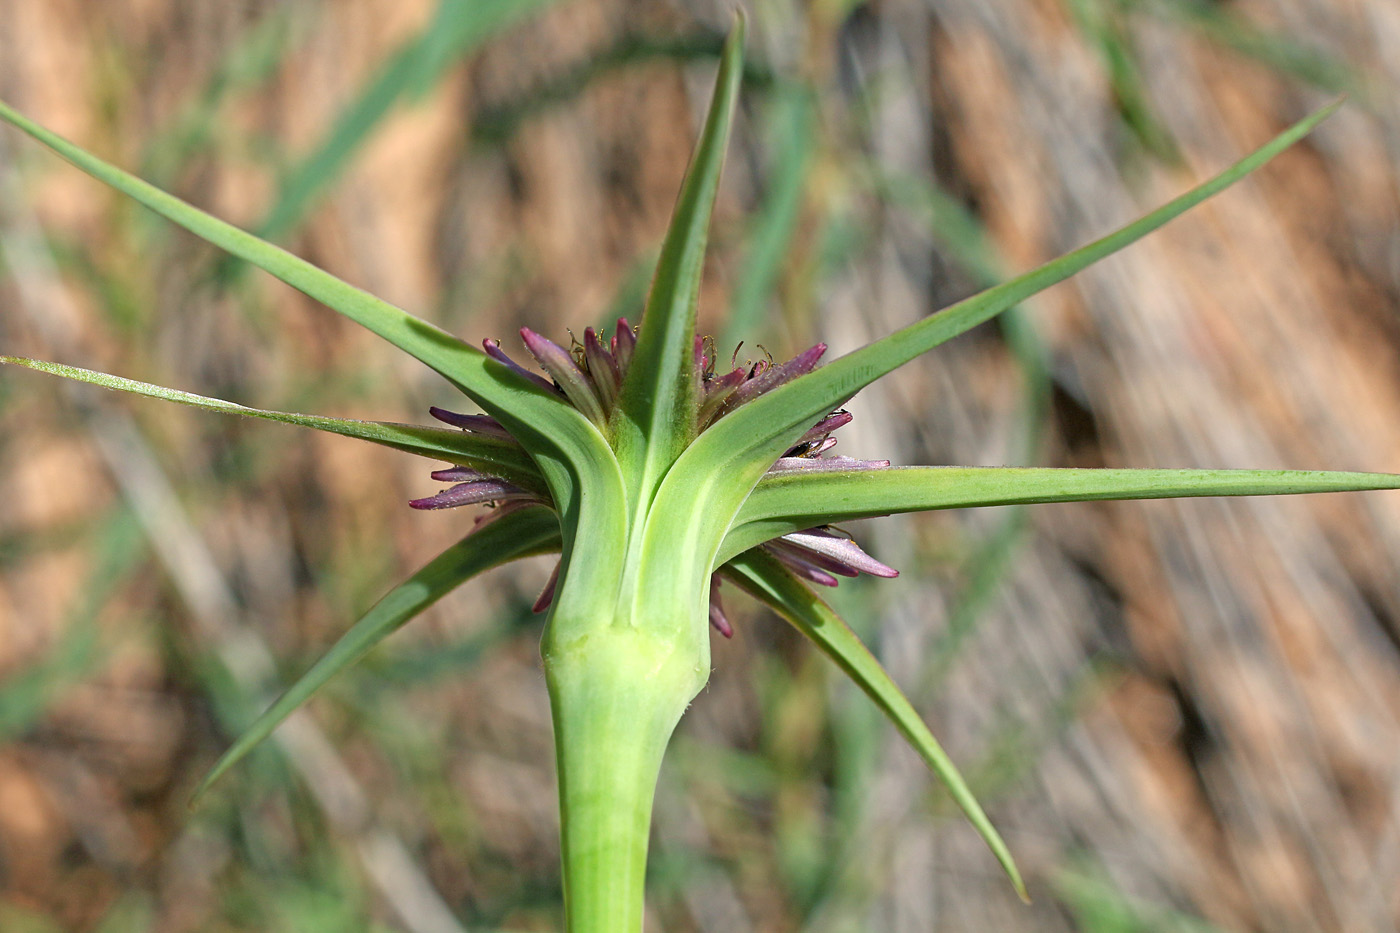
(617, 693)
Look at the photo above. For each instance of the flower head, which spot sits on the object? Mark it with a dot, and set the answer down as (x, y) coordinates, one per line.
(589, 375)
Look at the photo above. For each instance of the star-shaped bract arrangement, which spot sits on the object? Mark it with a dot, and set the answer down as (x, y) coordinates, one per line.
(672, 476)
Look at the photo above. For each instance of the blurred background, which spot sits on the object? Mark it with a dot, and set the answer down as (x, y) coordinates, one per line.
(1184, 716)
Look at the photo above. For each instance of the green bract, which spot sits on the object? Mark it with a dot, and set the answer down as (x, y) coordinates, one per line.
(649, 474)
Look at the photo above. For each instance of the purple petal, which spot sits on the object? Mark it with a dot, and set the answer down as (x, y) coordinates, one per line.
(825, 464)
(602, 368)
(476, 424)
(729, 381)
(717, 616)
(483, 490)
(562, 367)
(623, 343)
(717, 392)
(843, 550)
(458, 474)
(493, 350)
(825, 426)
(804, 568)
(766, 378)
(547, 594)
(780, 547)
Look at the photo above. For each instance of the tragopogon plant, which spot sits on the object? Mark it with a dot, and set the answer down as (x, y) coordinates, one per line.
(655, 474)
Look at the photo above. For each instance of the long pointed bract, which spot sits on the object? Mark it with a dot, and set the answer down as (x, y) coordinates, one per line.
(499, 458)
(655, 414)
(768, 581)
(786, 502)
(519, 534)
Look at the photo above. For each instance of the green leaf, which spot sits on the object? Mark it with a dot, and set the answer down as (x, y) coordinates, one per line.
(784, 502)
(519, 534)
(655, 414)
(743, 443)
(771, 583)
(497, 457)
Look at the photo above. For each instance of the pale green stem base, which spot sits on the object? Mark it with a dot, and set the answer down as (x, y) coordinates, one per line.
(617, 695)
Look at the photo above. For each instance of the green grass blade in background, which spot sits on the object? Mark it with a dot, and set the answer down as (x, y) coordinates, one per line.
(792, 119)
(790, 502)
(655, 413)
(251, 60)
(1098, 906)
(1277, 51)
(518, 534)
(497, 123)
(27, 693)
(1102, 23)
(500, 458)
(768, 581)
(457, 28)
(781, 415)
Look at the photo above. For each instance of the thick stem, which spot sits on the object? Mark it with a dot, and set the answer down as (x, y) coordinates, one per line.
(617, 694)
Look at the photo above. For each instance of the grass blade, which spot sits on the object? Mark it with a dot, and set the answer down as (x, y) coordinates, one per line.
(789, 502)
(499, 458)
(654, 419)
(792, 117)
(772, 584)
(1277, 51)
(498, 122)
(519, 534)
(455, 30)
